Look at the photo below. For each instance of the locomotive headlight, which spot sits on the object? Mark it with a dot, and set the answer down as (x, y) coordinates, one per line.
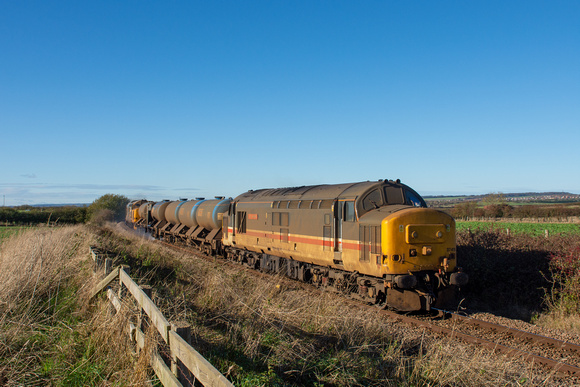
(439, 234)
(412, 252)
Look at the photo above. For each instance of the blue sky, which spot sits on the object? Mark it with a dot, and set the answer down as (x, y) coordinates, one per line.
(190, 98)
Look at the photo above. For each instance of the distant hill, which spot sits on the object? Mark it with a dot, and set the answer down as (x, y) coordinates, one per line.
(522, 197)
(506, 195)
(53, 205)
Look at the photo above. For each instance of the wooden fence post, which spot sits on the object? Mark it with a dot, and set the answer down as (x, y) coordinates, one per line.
(188, 367)
(98, 260)
(122, 289)
(180, 371)
(142, 322)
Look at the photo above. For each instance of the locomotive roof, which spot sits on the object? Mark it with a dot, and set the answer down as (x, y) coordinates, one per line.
(314, 192)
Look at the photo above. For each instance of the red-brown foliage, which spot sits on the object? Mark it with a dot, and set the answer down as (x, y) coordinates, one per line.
(565, 268)
(515, 275)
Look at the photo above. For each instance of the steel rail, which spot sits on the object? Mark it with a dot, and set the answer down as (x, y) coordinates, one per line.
(561, 345)
(558, 366)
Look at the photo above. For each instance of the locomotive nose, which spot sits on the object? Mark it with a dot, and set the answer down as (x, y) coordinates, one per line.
(418, 240)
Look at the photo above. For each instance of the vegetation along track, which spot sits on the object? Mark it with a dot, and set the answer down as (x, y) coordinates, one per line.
(551, 354)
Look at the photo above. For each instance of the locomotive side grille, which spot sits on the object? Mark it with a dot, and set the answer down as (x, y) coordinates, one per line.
(370, 241)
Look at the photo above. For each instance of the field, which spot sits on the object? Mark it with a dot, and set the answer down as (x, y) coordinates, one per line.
(5, 232)
(534, 229)
(256, 330)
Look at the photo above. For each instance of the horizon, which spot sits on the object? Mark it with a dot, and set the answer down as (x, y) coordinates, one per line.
(154, 194)
(506, 194)
(192, 99)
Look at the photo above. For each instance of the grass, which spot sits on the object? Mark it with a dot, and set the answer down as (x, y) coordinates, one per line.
(5, 232)
(48, 334)
(257, 331)
(535, 229)
(274, 332)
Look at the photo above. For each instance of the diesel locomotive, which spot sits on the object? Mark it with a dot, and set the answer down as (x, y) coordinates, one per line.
(375, 241)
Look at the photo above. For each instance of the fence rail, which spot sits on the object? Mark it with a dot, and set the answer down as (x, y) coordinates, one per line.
(185, 360)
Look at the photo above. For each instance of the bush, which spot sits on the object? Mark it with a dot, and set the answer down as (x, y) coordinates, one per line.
(115, 206)
(464, 210)
(565, 269)
(35, 215)
(519, 275)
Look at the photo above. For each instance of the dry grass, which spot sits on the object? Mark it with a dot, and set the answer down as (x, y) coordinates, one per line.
(561, 321)
(272, 331)
(48, 334)
(31, 263)
(258, 331)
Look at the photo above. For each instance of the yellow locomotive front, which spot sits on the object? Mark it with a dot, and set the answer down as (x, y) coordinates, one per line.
(419, 258)
(418, 239)
(132, 212)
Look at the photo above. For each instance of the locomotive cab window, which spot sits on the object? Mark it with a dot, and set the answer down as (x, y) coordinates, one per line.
(241, 218)
(414, 199)
(372, 200)
(394, 195)
(349, 212)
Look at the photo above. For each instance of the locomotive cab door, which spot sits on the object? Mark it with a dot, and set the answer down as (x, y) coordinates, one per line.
(337, 232)
(232, 218)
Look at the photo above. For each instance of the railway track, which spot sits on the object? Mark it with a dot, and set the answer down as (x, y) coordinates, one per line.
(551, 354)
(569, 351)
(559, 356)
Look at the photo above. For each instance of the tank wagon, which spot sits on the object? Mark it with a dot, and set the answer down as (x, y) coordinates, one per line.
(376, 241)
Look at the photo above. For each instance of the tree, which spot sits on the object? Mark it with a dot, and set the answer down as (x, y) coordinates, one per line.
(109, 207)
(465, 209)
(493, 198)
